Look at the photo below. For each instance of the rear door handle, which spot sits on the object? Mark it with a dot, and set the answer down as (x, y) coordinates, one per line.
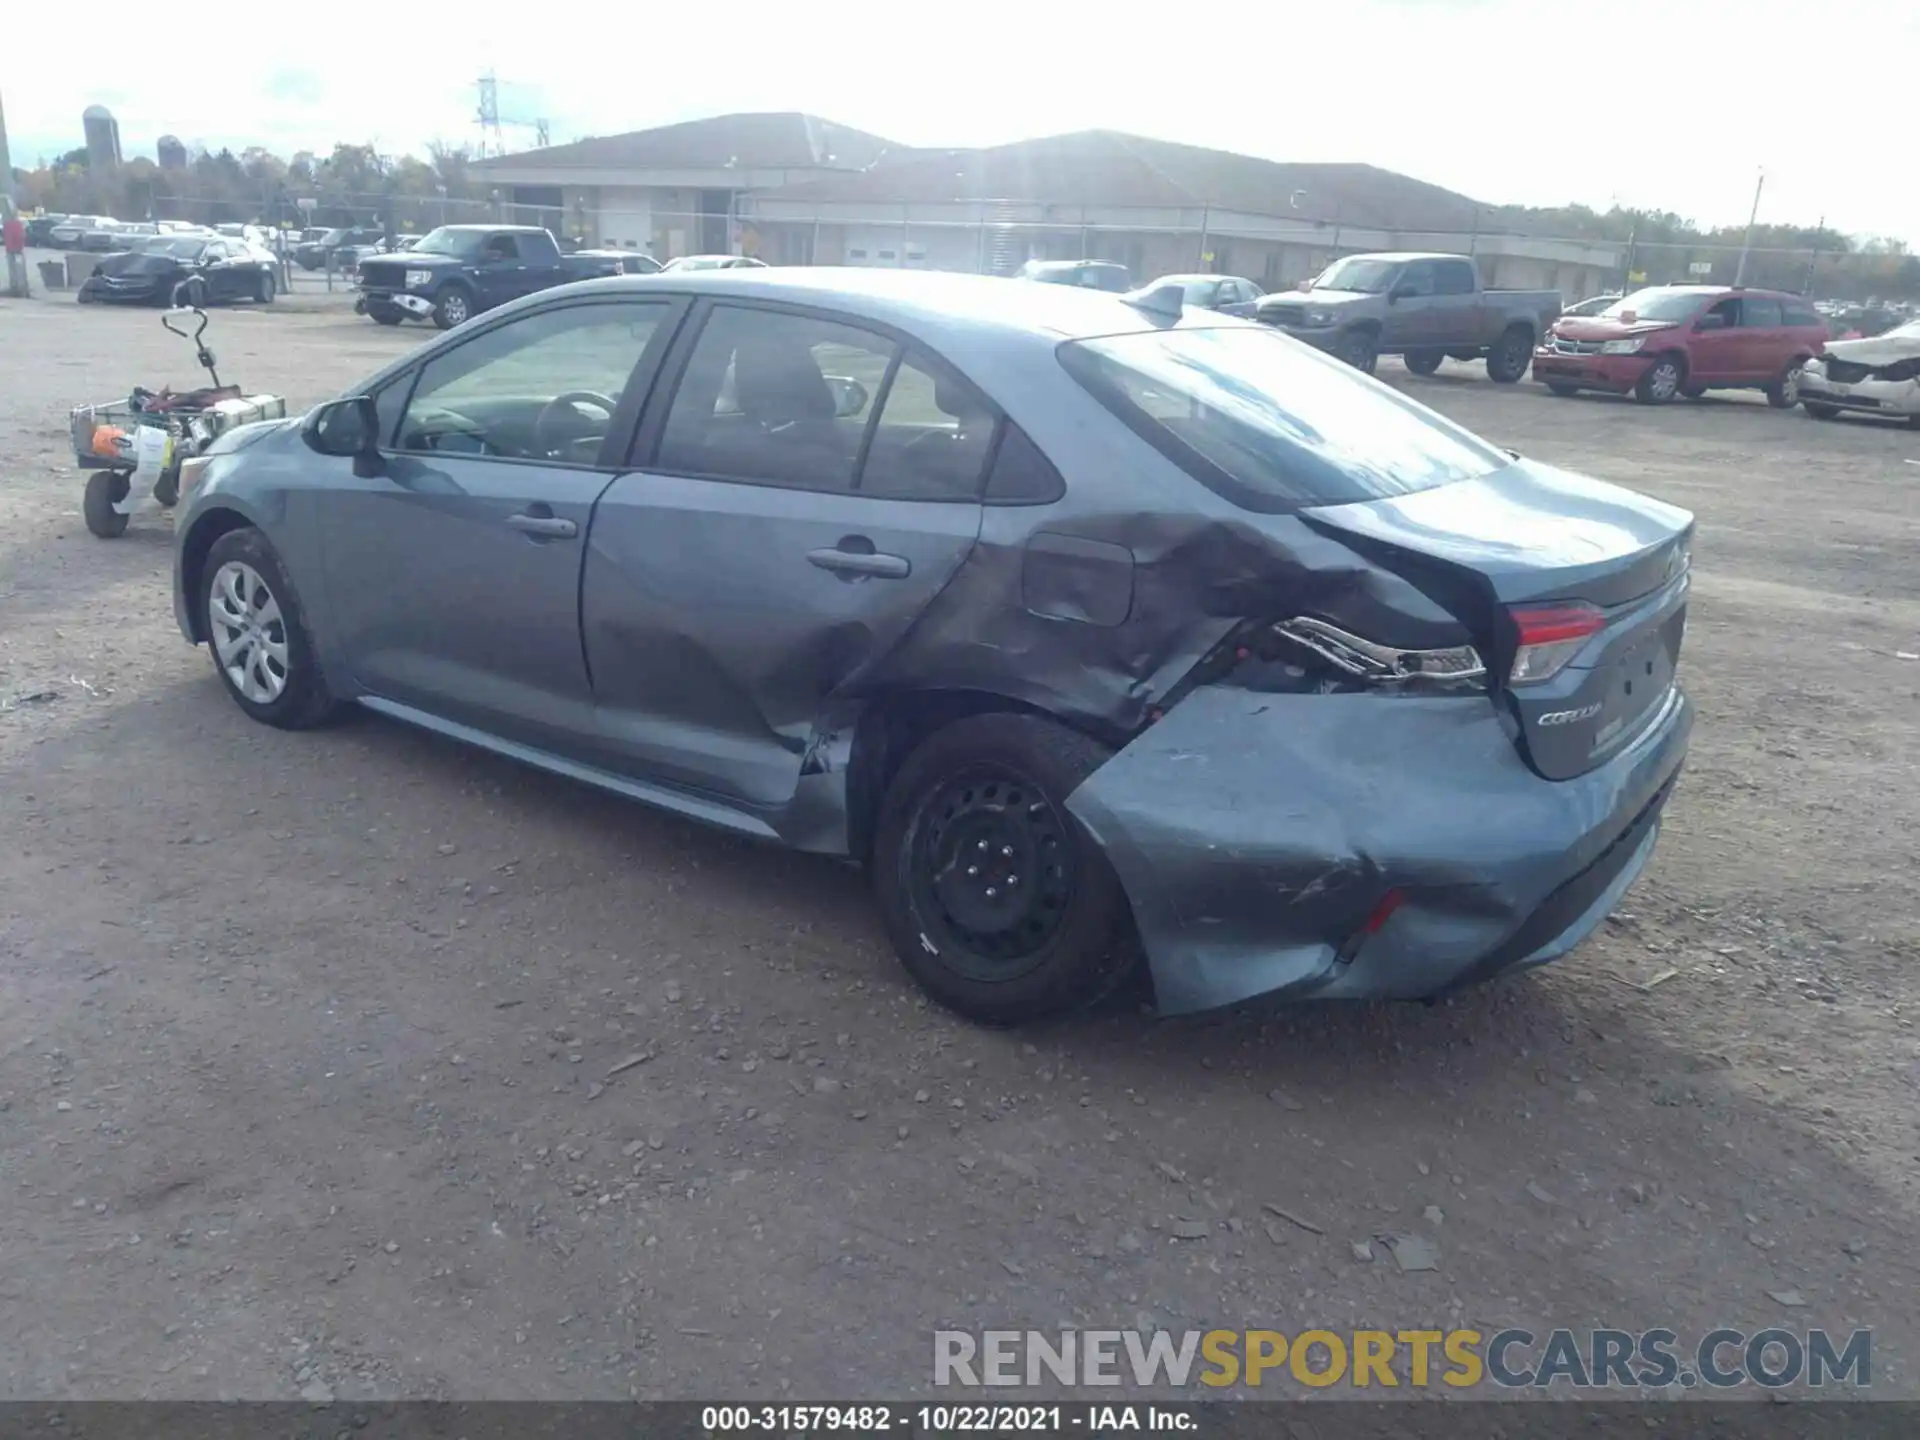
(551, 527)
(855, 562)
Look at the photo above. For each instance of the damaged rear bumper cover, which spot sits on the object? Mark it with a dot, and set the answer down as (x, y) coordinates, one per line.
(1256, 835)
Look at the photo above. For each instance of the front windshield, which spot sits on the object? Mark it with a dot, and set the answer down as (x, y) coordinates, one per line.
(171, 245)
(1655, 305)
(1271, 424)
(462, 244)
(1368, 277)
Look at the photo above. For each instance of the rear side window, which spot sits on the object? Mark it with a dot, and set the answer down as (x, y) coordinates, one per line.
(1453, 277)
(1760, 312)
(1792, 314)
(1270, 424)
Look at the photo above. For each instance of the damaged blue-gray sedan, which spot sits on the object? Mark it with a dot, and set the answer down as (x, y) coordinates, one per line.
(1096, 629)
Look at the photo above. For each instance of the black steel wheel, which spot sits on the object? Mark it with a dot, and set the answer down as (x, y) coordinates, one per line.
(996, 899)
(1423, 362)
(1360, 349)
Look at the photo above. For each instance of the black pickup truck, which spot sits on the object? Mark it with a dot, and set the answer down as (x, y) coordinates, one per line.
(457, 271)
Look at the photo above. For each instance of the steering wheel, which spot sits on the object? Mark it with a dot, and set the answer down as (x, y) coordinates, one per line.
(562, 405)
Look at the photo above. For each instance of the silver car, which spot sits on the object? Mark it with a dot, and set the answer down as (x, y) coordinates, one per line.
(1875, 376)
(1096, 629)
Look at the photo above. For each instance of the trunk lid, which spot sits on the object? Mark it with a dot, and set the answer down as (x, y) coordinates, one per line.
(1529, 535)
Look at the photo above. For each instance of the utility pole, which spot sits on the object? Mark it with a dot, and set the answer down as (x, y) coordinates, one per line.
(1740, 272)
(1813, 259)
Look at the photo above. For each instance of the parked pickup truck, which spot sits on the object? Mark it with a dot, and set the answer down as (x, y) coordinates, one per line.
(1425, 308)
(457, 271)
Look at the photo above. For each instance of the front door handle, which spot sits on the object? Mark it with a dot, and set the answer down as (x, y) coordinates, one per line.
(548, 527)
(857, 562)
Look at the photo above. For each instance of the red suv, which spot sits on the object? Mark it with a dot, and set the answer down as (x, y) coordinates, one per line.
(1685, 340)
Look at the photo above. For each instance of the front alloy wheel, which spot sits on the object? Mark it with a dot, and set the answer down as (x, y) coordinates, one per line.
(248, 632)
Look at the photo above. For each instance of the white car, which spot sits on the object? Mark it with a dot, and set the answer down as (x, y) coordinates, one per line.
(715, 262)
(1877, 376)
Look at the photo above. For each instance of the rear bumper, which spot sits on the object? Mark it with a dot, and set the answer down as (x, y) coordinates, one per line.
(1254, 834)
(1898, 398)
(1615, 373)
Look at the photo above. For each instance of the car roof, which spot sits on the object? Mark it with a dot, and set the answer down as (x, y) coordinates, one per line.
(1189, 279)
(1401, 255)
(918, 301)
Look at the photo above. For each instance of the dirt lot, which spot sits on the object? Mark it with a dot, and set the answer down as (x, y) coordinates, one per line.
(305, 1040)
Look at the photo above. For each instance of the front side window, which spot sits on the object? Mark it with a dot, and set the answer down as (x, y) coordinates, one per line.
(501, 247)
(1416, 280)
(1270, 424)
(541, 387)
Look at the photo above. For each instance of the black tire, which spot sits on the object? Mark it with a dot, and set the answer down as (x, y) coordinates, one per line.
(1818, 411)
(105, 488)
(1784, 391)
(386, 314)
(454, 307)
(1360, 349)
(1510, 356)
(997, 784)
(1664, 380)
(303, 699)
(1562, 389)
(1423, 362)
(267, 288)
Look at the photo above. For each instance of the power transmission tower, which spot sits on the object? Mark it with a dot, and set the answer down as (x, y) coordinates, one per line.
(492, 139)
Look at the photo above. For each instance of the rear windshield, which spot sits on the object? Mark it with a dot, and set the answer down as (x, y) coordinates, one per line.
(1272, 424)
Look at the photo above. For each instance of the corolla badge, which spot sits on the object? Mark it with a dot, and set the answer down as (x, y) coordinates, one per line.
(1568, 717)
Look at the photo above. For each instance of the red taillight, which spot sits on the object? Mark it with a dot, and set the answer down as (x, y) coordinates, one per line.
(1550, 636)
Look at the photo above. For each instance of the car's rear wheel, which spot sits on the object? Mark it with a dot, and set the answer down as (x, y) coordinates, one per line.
(265, 290)
(1784, 392)
(454, 307)
(1423, 362)
(105, 489)
(1562, 389)
(996, 899)
(1820, 412)
(258, 636)
(1662, 381)
(1512, 353)
(1360, 349)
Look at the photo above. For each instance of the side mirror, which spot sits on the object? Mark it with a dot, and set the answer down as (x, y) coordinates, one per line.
(1400, 292)
(347, 428)
(849, 396)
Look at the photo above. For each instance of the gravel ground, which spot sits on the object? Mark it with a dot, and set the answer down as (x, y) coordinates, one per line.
(354, 1063)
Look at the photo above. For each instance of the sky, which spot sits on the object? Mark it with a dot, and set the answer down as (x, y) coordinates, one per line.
(1669, 106)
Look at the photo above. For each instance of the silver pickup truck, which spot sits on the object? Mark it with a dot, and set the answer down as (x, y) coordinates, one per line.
(1425, 308)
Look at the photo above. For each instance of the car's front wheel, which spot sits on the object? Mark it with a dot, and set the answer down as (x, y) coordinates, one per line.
(258, 634)
(1662, 381)
(264, 291)
(454, 307)
(1360, 349)
(996, 899)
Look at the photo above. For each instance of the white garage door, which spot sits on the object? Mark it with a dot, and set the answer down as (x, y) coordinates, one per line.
(627, 229)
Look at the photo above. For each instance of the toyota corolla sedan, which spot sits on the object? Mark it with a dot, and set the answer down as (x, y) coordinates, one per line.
(1102, 632)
